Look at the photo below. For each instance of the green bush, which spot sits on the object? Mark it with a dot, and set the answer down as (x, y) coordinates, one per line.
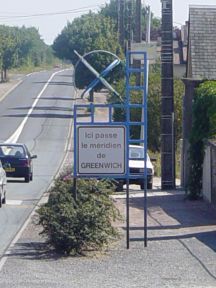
(73, 225)
(203, 128)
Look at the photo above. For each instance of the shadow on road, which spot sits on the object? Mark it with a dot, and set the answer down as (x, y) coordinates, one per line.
(172, 217)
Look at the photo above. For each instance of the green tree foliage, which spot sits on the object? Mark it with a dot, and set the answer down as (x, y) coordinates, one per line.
(73, 226)
(203, 127)
(111, 10)
(87, 33)
(154, 106)
(21, 46)
(7, 49)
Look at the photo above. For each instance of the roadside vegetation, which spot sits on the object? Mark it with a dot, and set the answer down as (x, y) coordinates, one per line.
(77, 223)
(22, 49)
(203, 128)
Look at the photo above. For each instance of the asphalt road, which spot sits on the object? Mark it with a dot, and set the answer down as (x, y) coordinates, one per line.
(38, 112)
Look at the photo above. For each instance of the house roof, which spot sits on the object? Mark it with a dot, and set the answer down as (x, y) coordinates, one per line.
(202, 42)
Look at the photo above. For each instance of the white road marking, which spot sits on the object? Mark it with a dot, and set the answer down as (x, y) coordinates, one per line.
(14, 137)
(14, 202)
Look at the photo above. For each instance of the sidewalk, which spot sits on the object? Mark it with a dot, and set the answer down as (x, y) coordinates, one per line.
(180, 252)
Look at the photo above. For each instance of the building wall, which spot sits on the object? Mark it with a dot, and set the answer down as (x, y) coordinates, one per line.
(213, 174)
(209, 173)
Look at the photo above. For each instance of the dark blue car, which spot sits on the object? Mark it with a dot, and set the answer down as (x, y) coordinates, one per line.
(17, 160)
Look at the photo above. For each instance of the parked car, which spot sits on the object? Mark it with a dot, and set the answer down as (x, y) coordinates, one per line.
(136, 168)
(17, 160)
(3, 185)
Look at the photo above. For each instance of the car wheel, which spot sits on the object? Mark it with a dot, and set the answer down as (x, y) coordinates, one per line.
(1, 199)
(4, 199)
(31, 177)
(142, 186)
(149, 185)
(119, 186)
(27, 178)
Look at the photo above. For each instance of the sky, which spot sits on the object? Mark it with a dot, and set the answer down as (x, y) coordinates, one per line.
(50, 16)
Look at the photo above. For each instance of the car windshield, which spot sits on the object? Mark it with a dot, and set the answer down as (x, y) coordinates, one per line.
(12, 150)
(137, 153)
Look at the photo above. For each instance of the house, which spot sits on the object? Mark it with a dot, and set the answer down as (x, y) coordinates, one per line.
(153, 50)
(201, 65)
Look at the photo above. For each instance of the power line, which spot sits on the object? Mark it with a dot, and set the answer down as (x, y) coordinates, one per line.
(72, 11)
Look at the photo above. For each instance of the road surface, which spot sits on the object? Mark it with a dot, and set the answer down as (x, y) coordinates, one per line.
(38, 112)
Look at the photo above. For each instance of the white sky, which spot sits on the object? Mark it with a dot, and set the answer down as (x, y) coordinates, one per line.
(50, 26)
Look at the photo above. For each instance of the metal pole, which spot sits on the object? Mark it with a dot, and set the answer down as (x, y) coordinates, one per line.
(148, 25)
(121, 24)
(129, 24)
(145, 213)
(146, 61)
(138, 32)
(138, 39)
(167, 98)
(128, 215)
(173, 150)
(75, 188)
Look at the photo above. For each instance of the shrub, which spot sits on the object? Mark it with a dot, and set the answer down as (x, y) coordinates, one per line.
(203, 128)
(75, 226)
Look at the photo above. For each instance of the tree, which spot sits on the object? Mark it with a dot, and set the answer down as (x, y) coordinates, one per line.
(87, 33)
(7, 50)
(21, 46)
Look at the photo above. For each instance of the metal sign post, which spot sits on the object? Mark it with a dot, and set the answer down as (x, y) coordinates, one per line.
(101, 149)
(142, 140)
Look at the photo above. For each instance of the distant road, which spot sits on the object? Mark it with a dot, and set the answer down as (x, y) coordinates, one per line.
(45, 100)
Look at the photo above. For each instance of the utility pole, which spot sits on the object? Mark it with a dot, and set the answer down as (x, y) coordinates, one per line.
(138, 38)
(148, 24)
(121, 22)
(167, 100)
(129, 26)
(138, 32)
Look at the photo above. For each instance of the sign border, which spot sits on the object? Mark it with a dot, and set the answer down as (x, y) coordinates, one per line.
(102, 173)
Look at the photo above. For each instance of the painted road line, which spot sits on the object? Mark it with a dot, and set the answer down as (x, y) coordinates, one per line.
(14, 137)
(14, 202)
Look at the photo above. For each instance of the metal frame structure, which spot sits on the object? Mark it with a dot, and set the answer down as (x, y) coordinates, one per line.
(127, 106)
(100, 77)
(142, 87)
